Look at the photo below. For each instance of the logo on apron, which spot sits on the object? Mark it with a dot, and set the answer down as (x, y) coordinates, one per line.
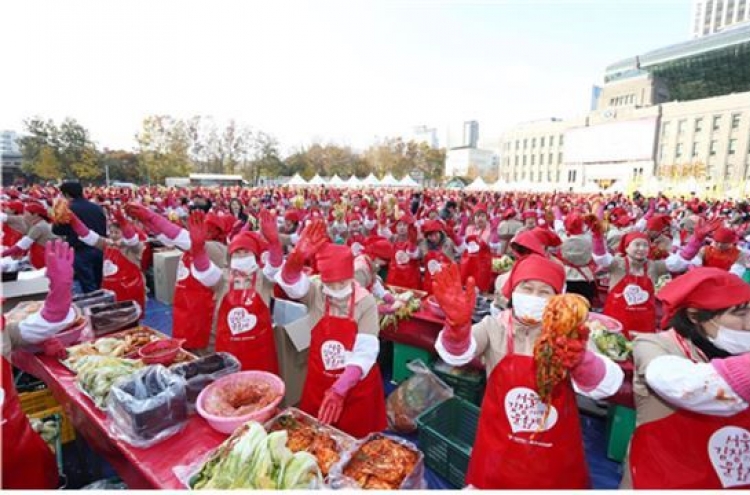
(402, 257)
(634, 295)
(729, 451)
(182, 271)
(333, 354)
(240, 321)
(525, 411)
(109, 268)
(433, 266)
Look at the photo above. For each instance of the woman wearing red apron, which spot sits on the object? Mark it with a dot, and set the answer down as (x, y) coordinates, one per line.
(244, 326)
(36, 237)
(476, 262)
(122, 255)
(343, 386)
(434, 249)
(692, 386)
(513, 449)
(403, 270)
(13, 223)
(631, 293)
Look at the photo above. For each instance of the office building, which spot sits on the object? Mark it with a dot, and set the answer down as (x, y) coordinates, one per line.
(471, 134)
(715, 16)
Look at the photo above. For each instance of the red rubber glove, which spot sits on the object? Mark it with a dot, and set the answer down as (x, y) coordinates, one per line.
(270, 230)
(198, 235)
(13, 251)
(313, 237)
(128, 231)
(458, 306)
(78, 226)
(706, 228)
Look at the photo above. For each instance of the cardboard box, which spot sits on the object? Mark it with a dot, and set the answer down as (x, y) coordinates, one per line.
(165, 274)
(292, 328)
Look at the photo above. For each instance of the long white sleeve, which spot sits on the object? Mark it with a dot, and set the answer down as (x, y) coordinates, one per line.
(603, 261)
(365, 352)
(693, 386)
(297, 290)
(35, 329)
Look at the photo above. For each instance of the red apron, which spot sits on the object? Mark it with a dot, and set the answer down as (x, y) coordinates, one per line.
(509, 452)
(631, 302)
(407, 274)
(724, 260)
(36, 256)
(479, 266)
(244, 329)
(364, 408)
(27, 461)
(192, 308)
(433, 260)
(687, 450)
(10, 236)
(123, 277)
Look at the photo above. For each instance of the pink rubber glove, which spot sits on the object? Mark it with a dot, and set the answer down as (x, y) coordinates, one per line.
(331, 407)
(388, 298)
(735, 370)
(691, 248)
(54, 348)
(597, 243)
(590, 372)
(198, 235)
(59, 260)
(349, 378)
(153, 221)
(464, 224)
(651, 210)
(128, 231)
(13, 251)
(557, 212)
(456, 340)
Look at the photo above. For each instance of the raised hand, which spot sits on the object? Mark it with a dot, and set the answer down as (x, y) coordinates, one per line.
(457, 303)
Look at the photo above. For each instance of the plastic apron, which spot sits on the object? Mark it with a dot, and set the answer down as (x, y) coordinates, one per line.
(433, 260)
(509, 451)
(124, 278)
(36, 256)
(244, 328)
(479, 266)
(724, 260)
(406, 274)
(687, 450)
(27, 461)
(364, 408)
(632, 303)
(192, 307)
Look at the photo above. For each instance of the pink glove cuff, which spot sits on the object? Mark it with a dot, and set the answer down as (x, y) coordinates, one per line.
(388, 298)
(453, 346)
(78, 227)
(164, 226)
(590, 372)
(290, 276)
(275, 255)
(735, 371)
(201, 261)
(598, 246)
(348, 379)
(691, 249)
(56, 308)
(128, 231)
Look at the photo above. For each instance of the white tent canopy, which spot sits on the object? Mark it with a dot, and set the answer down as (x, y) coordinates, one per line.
(389, 181)
(407, 181)
(478, 185)
(297, 180)
(371, 180)
(618, 187)
(353, 181)
(336, 181)
(317, 181)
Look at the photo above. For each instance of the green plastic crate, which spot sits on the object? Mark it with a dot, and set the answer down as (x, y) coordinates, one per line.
(620, 428)
(446, 436)
(468, 386)
(404, 354)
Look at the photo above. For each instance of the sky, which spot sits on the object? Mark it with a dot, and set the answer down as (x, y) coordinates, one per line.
(348, 72)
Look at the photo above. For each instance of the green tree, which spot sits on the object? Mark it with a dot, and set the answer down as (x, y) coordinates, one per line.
(163, 148)
(123, 166)
(56, 152)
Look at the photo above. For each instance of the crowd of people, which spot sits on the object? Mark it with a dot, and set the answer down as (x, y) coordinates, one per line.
(675, 272)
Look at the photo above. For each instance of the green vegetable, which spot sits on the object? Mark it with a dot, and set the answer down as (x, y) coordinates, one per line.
(300, 471)
(613, 345)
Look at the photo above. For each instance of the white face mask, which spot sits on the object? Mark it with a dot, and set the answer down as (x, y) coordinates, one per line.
(472, 247)
(528, 308)
(732, 341)
(244, 264)
(337, 294)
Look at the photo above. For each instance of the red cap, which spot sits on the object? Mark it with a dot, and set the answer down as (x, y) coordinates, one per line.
(535, 267)
(430, 226)
(574, 224)
(222, 223)
(657, 223)
(547, 237)
(630, 237)
(509, 213)
(37, 209)
(335, 263)
(725, 235)
(703, 288)
(529, 214)
(249, 241)
(531, 241)
(379, 248)
(480, 208)
(292, 216)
